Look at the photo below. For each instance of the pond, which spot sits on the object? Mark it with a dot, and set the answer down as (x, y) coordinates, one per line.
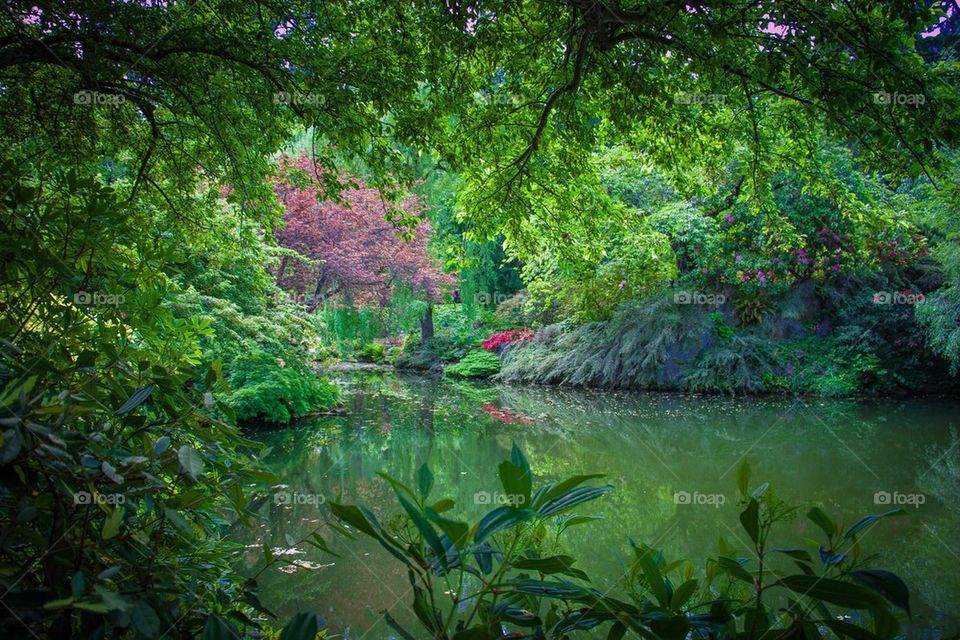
(671, 458)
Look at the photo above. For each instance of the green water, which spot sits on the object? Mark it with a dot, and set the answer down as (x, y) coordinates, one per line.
(657, 450)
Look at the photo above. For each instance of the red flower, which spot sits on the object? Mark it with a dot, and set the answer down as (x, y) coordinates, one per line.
(499, 340)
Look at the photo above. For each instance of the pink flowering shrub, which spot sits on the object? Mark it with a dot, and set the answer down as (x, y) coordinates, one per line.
(498, 341)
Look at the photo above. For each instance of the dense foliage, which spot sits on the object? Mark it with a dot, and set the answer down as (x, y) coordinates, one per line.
(164, 257)
(515, 580)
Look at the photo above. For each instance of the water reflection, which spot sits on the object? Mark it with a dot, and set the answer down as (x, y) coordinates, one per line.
(671, 457)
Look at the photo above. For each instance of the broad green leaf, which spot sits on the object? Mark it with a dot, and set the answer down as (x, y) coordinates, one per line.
(219, 628)
(458, 532)
(869, 520)
(743, 478)
(499, 519)
(822, 520)
(651, 571)
(683, 593)
(735, 569)
(426, 530)
(424, 481)
(190, 461)
(302, 626)
(750, 519)
(572, 498)
(886, 583)
(145, 620)
(111, 526)
(139, 397)
(844, 594)
(550, 491)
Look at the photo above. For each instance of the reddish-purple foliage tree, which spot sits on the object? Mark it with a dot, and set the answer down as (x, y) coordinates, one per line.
(352, 247)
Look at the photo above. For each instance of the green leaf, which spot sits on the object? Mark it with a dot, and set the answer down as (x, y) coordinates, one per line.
(743, 478)
(424, 481)
(398, 486)
(735, 569)
(869, 520)
(572, 498)
(750, 519)
(551, 491)
(822, 520)
(145, 620)
(139, 397)
(161, 445)
(303, 626)
(63, 603)
(396, 626)
(564, 590)
(651, 571)
(844, 594)
(886, 583)
(425, 529)
(77, 584)
(457, 531)
(190, 461)
(797, 554)
(443, 505)
(548, 565)
(111, 526)
(318, 542)
(92, 607)
(516, 478)
(847, 630)
(683, 593)
(219, 628)
(499, 519)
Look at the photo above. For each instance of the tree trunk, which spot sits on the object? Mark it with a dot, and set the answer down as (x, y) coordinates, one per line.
(426, 326)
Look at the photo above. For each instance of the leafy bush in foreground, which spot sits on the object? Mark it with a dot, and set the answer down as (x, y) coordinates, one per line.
(519, 587)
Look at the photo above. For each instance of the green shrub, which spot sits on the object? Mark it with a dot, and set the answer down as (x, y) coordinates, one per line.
(736, 364)
(270, 389)
(477, 364)
(646, 344)
(418, 359)
(372, 352)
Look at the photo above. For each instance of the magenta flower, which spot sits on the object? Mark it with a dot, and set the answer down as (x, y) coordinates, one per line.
(739, 258)
(762, 278)
(729, 218)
